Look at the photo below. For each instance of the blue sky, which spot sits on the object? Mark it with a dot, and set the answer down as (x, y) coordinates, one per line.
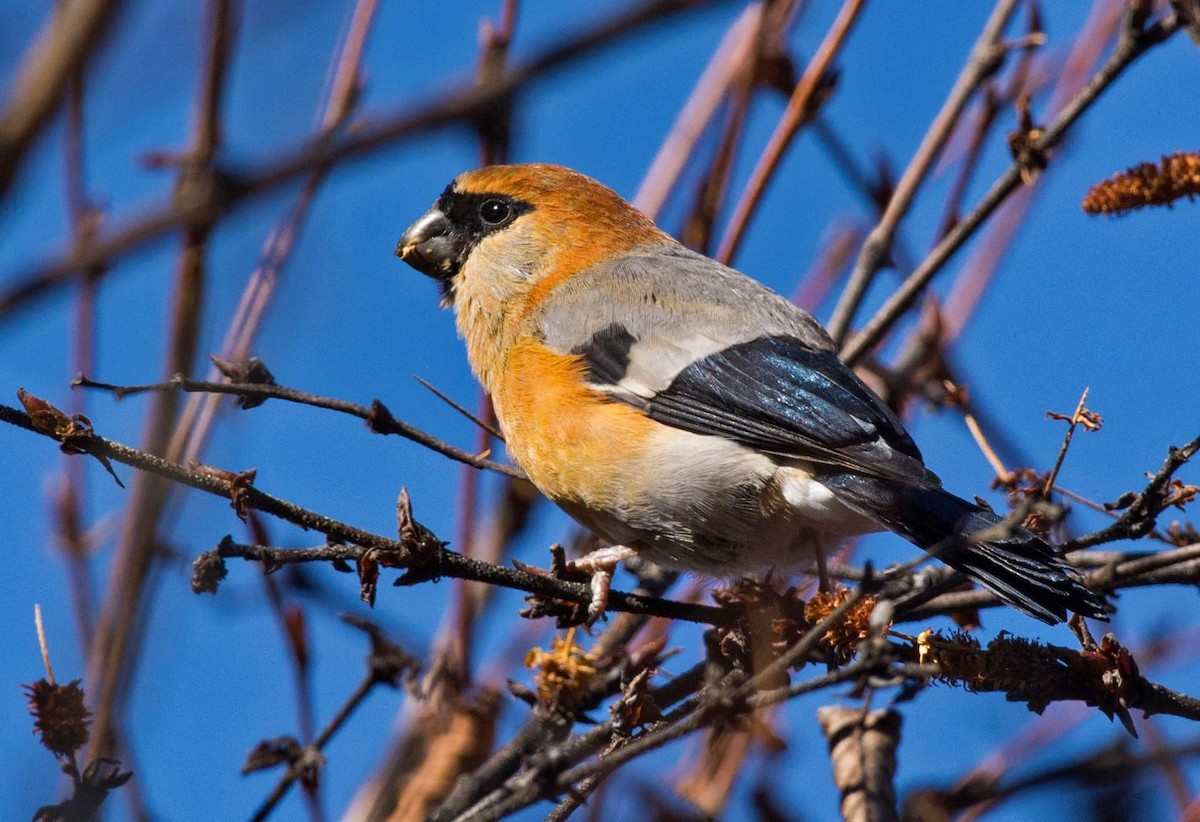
(1078, 302)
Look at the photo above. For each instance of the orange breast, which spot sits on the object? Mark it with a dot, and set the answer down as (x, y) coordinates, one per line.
(575, 444)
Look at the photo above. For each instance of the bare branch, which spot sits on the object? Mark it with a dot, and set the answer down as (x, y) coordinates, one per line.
(1134, 42)
(378, 418)
(233, 188)
(800, 110)
(65, 44)
(986, 57)
(863, 746)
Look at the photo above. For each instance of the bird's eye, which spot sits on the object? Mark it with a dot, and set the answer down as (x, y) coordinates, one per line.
(495, 212)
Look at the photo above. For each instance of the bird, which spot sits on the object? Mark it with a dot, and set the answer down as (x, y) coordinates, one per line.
(681, 410)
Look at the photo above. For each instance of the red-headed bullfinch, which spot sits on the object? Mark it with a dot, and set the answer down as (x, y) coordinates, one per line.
(681, 410)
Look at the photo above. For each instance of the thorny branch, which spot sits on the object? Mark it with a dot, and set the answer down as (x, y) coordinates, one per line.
(421, 553)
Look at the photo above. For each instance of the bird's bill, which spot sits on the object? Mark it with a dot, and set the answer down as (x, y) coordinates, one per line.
(432, 246)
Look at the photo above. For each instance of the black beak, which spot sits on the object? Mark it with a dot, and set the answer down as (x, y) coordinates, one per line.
(432, 246)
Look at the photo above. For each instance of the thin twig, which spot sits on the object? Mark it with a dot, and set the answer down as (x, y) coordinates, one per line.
(377, 416)
(799, 110)
(985, 447)
(388, 665)
(1134, 42)
(985, 58)
(1139, 518)
(462, 409)
(1072, 424)
(235, 188)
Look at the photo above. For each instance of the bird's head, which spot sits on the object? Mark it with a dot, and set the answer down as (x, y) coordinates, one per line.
(506, 229)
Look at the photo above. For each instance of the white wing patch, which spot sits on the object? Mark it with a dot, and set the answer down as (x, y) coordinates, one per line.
(655, 362)
(818, 505)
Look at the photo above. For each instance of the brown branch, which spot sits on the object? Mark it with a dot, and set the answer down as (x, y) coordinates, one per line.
(697, 229)
(1097, 36)
(986, 57)
(1081, 416)
(71, 498)
(546, 726)
(734, 695)
(1128, 564)
(352, 544)
(544, 740)
(1143, 511)
(800, 109)
(387, 664)
(196, 419)
(686, 720)
(65, 44)
(985, 120)
(109, 667)
(378, 418)
(714, 84)
(983, 791)
(440, 563)
(989, 109)
(862, 747)
(1134, 42)
(232, 188)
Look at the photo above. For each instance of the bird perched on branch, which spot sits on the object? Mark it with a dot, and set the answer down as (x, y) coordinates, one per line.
(683, 411)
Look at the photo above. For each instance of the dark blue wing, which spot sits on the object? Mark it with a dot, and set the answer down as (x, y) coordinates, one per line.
(780, 396)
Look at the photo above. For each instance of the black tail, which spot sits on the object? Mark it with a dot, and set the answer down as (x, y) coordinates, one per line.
(1021, 568)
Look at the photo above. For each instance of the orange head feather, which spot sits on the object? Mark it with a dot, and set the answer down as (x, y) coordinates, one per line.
(501, 238)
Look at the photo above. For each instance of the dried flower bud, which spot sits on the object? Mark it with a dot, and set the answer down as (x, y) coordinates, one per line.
(563, 673)
(1146, 184)
(59, 715)
(843, 637)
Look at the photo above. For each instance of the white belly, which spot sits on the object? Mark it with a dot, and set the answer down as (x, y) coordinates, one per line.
(707, 504)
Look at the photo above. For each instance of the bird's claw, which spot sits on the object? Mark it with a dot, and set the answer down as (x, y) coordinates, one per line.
(595, 568)
(599, 566)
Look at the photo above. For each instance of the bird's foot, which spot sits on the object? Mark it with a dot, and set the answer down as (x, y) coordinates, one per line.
(595, 568)
(599, 566)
